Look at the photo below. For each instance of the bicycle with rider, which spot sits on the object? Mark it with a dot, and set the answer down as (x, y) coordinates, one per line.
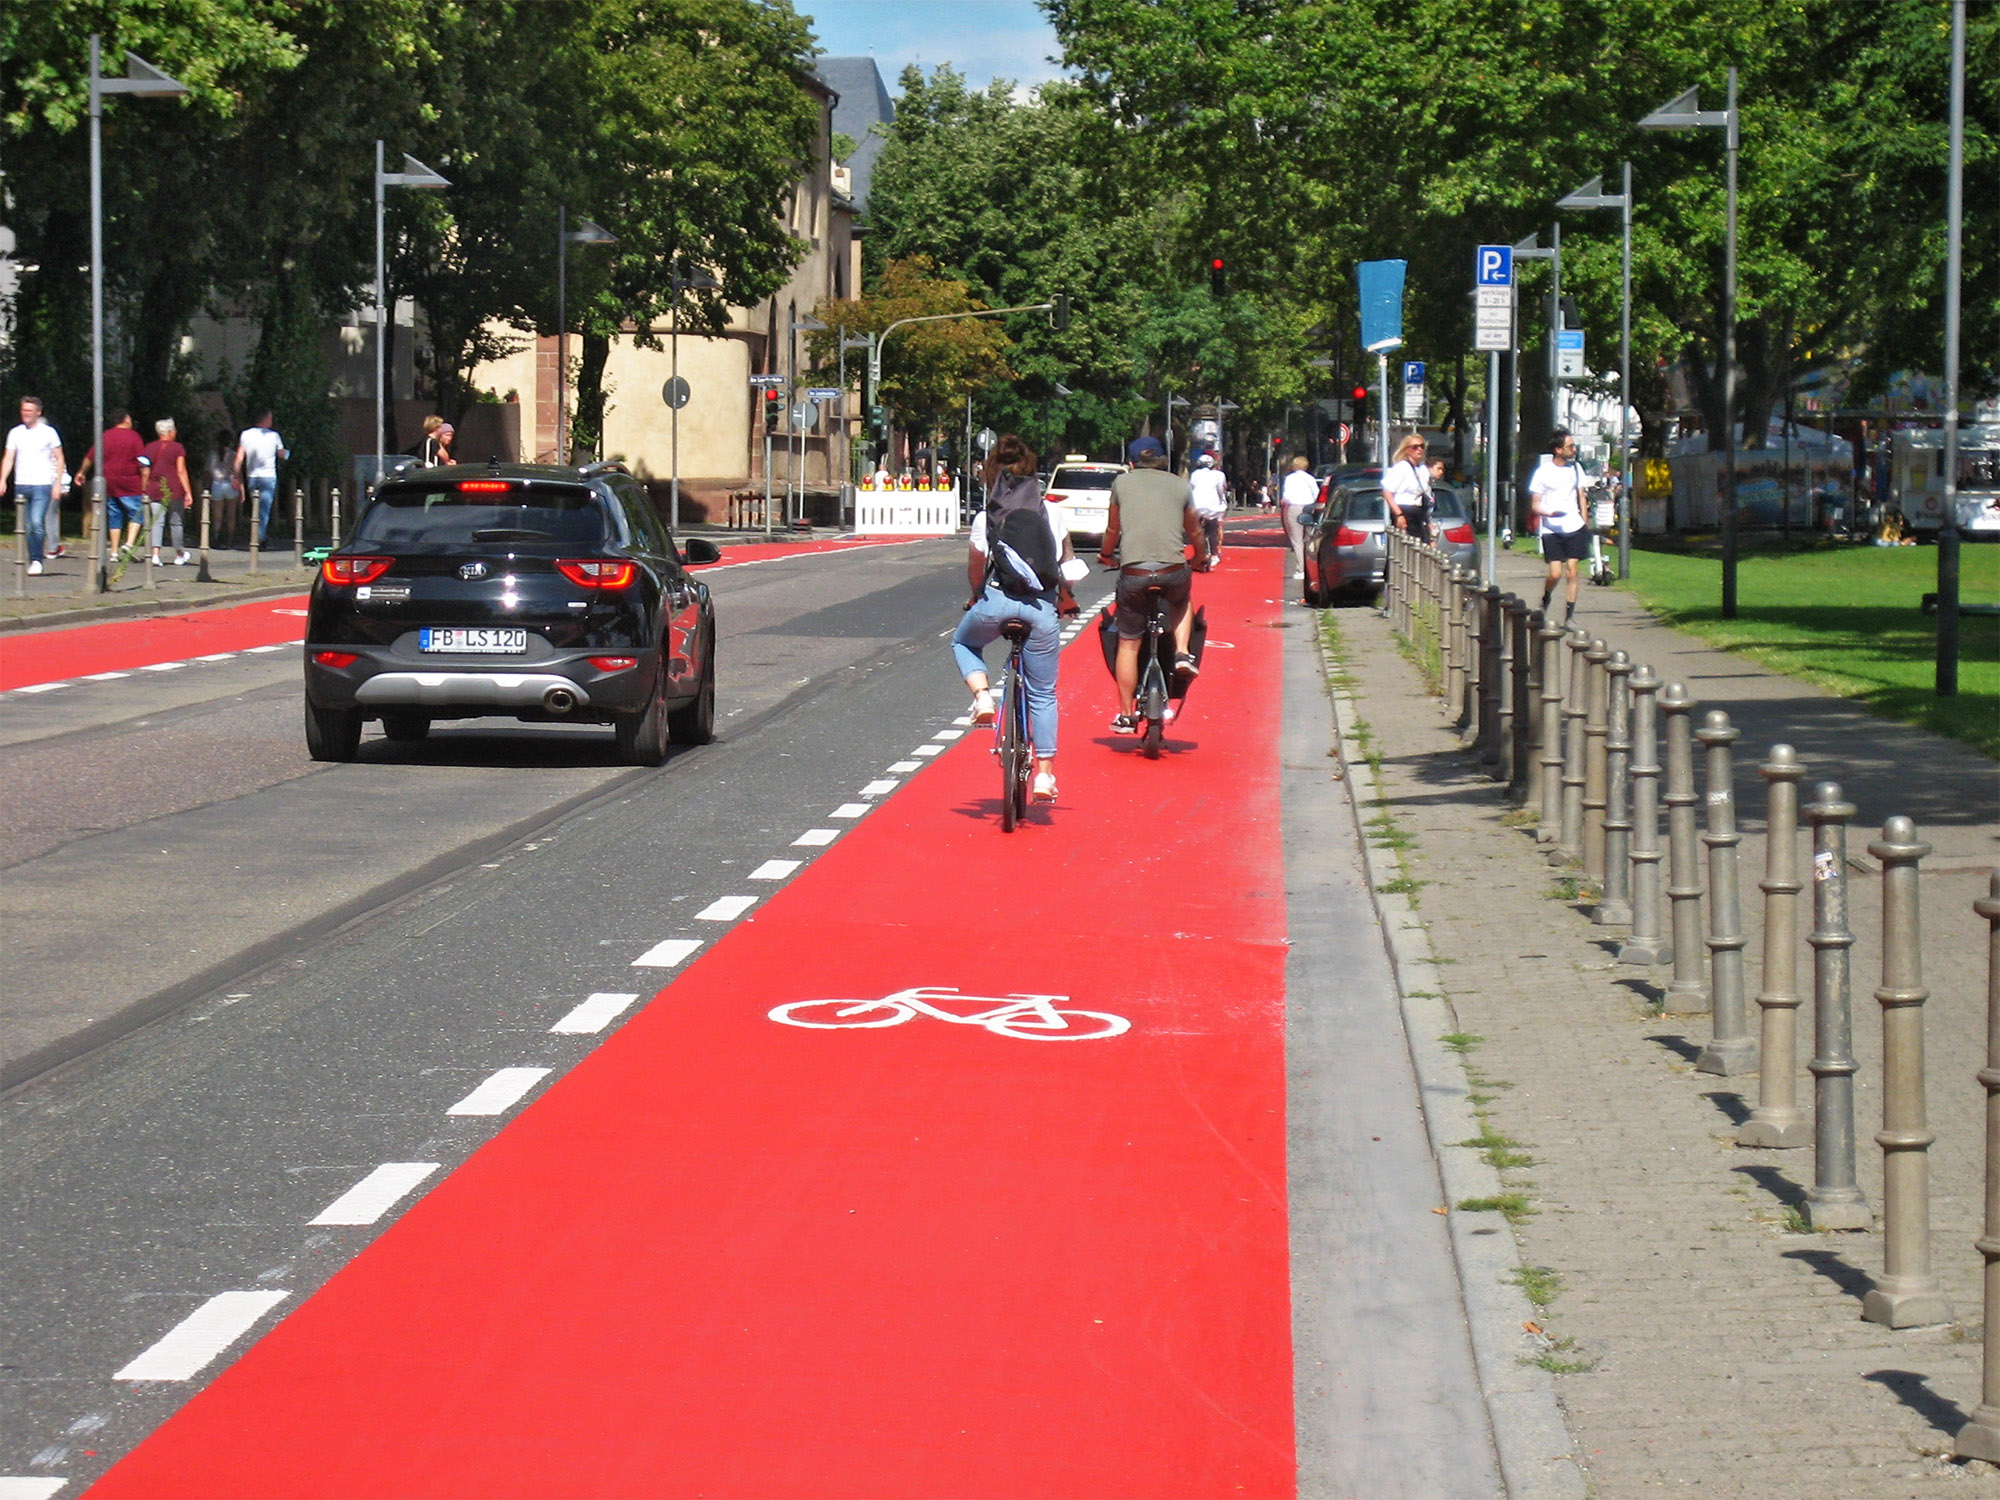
(995, 601)
(1152, 522)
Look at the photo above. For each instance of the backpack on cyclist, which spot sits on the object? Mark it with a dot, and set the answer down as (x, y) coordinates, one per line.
(1021, 553)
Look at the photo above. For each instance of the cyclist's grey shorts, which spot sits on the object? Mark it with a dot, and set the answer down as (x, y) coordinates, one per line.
(1135, 585)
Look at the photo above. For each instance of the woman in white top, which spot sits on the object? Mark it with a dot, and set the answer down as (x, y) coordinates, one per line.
(1298, 491)
(1407, 488)
(1555, 494)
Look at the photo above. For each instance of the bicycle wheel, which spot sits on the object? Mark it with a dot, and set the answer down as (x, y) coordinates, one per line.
(1076, 1026)
(1013, 747)
(838, 1015)
(1153, 707)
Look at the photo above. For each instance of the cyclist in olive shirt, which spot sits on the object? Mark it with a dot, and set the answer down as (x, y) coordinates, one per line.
(1152, 522)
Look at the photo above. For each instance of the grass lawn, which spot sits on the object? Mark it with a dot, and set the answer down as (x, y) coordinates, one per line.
(1846, 619)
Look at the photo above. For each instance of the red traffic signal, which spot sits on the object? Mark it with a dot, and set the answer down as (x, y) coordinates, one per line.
(1217, 284)
(1361, 393)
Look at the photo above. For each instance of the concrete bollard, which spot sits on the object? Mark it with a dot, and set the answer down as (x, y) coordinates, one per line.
(1980, 1437)
(1687, 991)
(1614, 906)
(1489, 679)
(1835, 1200)
(20, 544)
(1569, 837)
(1645, 945)
(201, 574)
(1596, 724)
(1906, 1294)
(1777, 1123)
(1731, 1048)
(1548, 830)
(298, 528)
(1522, 718)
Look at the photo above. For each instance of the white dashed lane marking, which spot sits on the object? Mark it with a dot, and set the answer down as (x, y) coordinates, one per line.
(666, 955)
(816, 838)
(103, 677)
(501, 1092)
(849, 810)
(948, 734)
(41, 687)
(904, 767)
(375, 1194)
(725, 909)
(30, 1486)
(163, 666)
(775, 869)
(203, 1334)
(927, 750)
(877, 789)
(593, 1015)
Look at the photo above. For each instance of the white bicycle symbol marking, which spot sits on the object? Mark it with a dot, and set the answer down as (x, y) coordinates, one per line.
(1032, 1018)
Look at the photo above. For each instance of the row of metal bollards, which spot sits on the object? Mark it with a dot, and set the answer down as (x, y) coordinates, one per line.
(1577, 733)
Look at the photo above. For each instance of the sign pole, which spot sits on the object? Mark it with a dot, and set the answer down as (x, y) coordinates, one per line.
(1492, 465)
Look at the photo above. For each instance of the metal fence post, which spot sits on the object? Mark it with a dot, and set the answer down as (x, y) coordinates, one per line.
(1835, 1200)
(1451, 630)
(1687, 992)
(1777, 1123)
(1569, 840)
(201, 574)
(1503, 720)
(20, 544)
(1596, 715)
(1614, 908)
(1906, 1294)
(298, 528)
(336, 515)
(1522, 717)
(1980, 1437)
(1645, 945)
(1731, 1049)
(1489, 679)
(1548, 830)
(1464, 602)
(253, 503)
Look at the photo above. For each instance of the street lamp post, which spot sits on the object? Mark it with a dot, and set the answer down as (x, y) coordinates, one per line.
(1529, 248)
(414, 175)
(877, 341)
(146, 82)
(1954, 214)
(866, 341)
(701, 281)
(1686, 113)
(1592, 195)
(586, 233)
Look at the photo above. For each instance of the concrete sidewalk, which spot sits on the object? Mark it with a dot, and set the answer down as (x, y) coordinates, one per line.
(1699, 1345)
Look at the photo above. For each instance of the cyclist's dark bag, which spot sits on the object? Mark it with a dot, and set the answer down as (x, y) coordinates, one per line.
(1107, 639)
(1021, 554)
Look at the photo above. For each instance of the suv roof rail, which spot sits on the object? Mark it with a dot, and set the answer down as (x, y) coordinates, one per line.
(603, 466)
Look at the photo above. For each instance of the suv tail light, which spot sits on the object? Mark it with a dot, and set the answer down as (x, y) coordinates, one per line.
(351, 570)
(613, 663)
(1459, 534)
(335, 658)
(1347, 536)
(594, 573)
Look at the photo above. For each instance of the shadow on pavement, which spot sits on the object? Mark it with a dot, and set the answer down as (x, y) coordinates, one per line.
(1914, 1391)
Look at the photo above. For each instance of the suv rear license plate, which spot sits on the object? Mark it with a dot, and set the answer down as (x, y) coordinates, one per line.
(480, 638)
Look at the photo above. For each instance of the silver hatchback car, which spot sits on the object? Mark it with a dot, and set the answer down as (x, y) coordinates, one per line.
(1345, 550)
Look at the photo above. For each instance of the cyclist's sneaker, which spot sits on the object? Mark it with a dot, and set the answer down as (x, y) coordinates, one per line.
(1044, 789)
(1124, 723)
(982, 707)
(1185, 666)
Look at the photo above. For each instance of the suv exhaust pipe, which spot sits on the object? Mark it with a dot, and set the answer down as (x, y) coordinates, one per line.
(559, 700)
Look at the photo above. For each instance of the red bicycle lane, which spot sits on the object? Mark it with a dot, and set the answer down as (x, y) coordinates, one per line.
(64, 653)
(729, 1256)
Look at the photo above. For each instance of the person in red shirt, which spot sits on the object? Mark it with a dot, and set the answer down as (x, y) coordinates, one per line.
(122, 452)
(167, 489)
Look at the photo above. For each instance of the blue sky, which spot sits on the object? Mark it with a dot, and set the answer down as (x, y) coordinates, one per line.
(983, 39)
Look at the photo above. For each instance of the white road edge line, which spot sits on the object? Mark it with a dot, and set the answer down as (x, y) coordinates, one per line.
(904, 767)
(665, 955)
(101, 677)
(30, 1486)
(725, 908)
(190, 1345)
(42, 687)
(218, 656)
(816, 838)
(775, 869)
(375, 1194)
(163, 666)
(501, 1092)
(849, 810)
(929, 750)
(879, 788)
(259, 650)
(949, 734)
(593, 1015)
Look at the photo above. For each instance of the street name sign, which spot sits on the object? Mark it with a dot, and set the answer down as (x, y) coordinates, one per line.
(1569, 353)
(823, 393)
(767, 382)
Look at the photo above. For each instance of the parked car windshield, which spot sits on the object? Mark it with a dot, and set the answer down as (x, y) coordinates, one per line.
(571, 519)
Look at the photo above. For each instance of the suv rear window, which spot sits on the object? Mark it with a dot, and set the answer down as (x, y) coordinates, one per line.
(1447, 506)
(570, 519)
(1083, 479)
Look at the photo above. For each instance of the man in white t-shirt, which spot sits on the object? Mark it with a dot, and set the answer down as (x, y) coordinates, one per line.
(34, 461)
(1211, 502)
(1555, 494)
(1298, 491)
(257, 453)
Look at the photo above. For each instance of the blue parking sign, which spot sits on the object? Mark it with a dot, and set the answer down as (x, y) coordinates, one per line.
(1493, 265)
(1413, 372)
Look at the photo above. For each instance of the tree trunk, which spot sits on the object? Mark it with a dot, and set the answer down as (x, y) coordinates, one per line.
(586, 431)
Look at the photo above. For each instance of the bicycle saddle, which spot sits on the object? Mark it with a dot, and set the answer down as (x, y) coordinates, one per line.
(1015, 631)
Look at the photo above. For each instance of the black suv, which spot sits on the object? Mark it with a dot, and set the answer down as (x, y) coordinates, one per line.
(542, 592)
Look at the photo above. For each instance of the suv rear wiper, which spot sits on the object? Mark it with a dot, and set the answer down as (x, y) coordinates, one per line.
(510, 534)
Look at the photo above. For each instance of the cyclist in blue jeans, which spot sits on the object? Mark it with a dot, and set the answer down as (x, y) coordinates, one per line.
(998, 596)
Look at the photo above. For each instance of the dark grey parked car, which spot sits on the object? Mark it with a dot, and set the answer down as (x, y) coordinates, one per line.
(1345, 550)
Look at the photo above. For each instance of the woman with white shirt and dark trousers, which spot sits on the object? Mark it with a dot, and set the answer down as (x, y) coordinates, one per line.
(1407, 487)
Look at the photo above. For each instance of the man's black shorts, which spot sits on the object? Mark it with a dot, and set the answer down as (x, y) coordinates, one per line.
(1566, 546)
(1135, 607)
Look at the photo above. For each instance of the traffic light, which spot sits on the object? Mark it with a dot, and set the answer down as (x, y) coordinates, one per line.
(1360, 397)
(1059, 313)
(878, 419)
(1218, 284)
(772, 401)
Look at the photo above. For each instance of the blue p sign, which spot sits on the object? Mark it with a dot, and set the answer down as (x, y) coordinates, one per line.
(1493, 265)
